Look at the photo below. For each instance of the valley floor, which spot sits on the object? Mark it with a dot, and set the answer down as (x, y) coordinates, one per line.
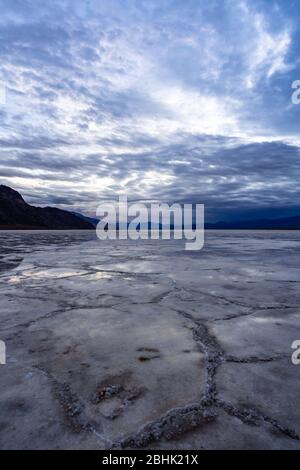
(146, 345)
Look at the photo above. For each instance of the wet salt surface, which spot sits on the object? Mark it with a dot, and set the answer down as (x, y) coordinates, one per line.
(144, 344)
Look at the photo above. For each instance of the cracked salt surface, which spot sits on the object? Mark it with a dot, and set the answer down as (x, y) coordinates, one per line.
(145, 345)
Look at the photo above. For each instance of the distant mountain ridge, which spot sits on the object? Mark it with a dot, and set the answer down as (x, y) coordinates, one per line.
(91, 220)
(282, 223)
(15, 213)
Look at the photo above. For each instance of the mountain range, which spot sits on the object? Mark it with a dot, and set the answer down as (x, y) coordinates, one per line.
(282, 223)
(15, 213)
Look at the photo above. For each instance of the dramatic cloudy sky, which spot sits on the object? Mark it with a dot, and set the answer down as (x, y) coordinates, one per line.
(173, 100)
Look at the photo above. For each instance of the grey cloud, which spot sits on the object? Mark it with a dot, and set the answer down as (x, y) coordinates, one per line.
(105, 64)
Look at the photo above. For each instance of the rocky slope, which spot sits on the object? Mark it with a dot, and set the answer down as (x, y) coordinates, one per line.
(15, 213)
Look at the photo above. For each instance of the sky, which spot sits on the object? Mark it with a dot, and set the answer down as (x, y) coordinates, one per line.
(159, 100)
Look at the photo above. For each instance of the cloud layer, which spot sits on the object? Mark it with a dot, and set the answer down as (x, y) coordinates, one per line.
(164, 100)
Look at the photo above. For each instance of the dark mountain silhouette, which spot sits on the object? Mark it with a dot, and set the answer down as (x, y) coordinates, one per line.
(282, 223)
(91, 220)
(15, 213)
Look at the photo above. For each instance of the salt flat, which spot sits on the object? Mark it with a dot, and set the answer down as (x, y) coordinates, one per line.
(145, 345)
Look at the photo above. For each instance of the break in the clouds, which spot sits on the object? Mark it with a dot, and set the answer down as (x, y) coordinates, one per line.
(158, 99)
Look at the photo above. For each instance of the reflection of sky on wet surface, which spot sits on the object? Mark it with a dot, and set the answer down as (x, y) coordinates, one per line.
(81, 311)
(228, 260)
